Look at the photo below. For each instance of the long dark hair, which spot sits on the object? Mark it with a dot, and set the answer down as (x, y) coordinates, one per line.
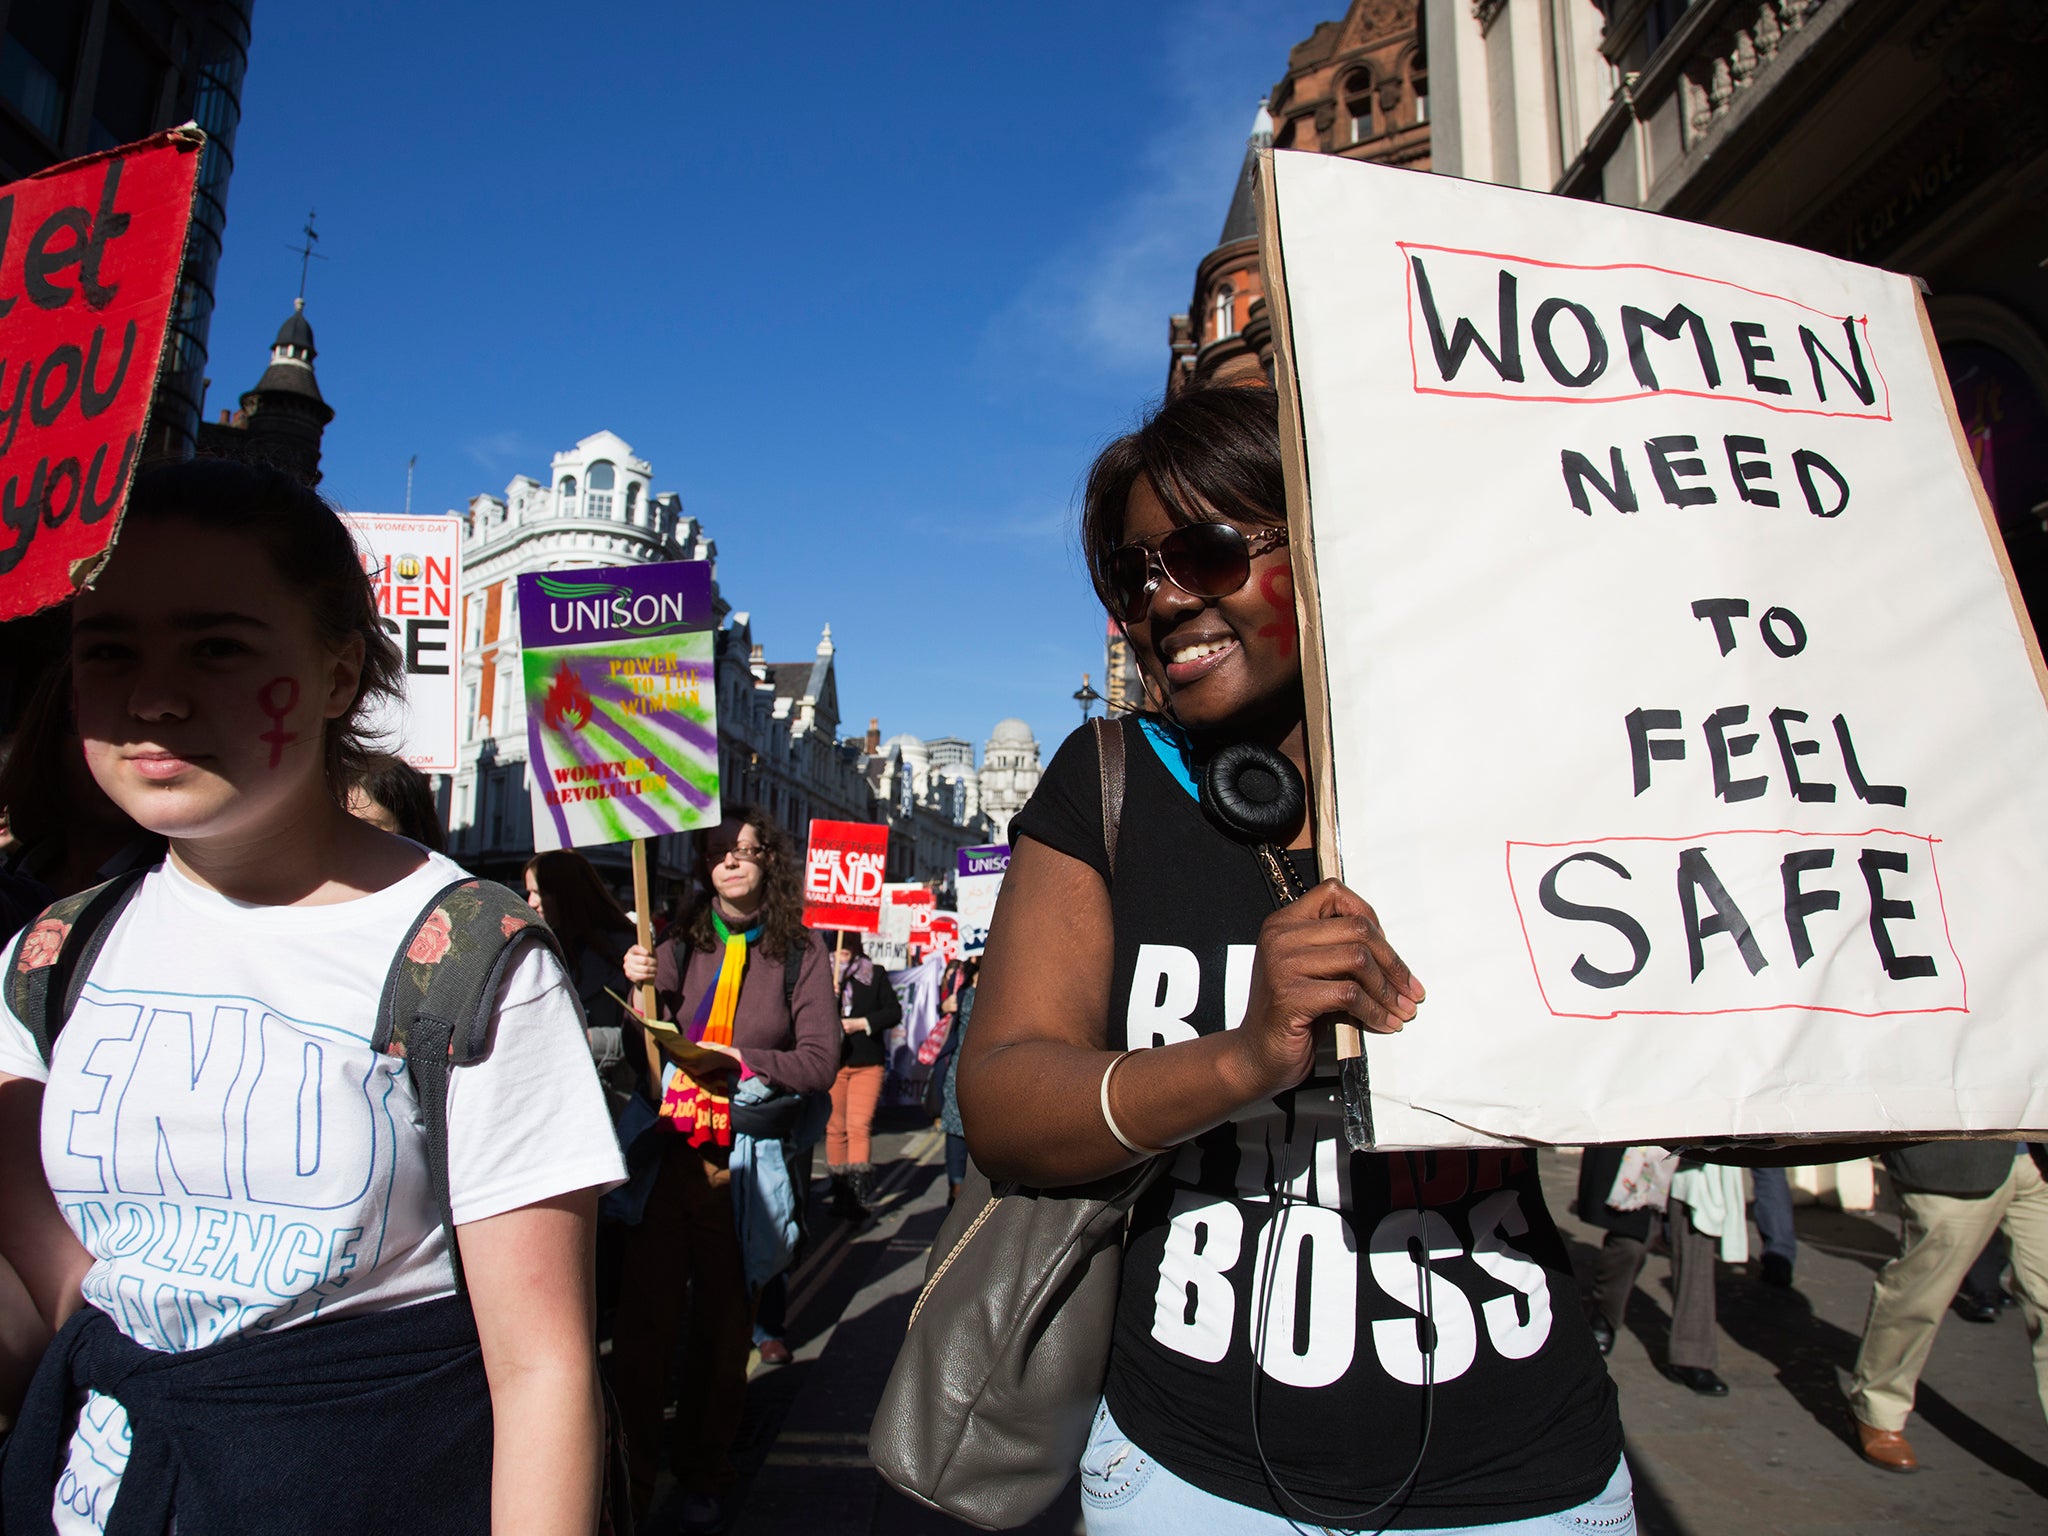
(404, 791)
(1206, 452)
(311, 549)
(782, 898)
(582, 907)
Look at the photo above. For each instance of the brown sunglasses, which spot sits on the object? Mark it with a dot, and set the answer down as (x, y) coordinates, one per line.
(1209, 559)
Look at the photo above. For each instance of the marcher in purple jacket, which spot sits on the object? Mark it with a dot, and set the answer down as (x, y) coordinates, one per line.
(685, 1244)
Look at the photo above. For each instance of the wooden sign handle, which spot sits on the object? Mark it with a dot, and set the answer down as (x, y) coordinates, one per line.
(644, 993)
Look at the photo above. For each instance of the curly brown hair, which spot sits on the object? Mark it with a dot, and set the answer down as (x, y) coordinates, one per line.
(782, 897)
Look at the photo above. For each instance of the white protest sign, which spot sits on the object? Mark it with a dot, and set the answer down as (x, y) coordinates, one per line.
(1675, 714)
(415, 566)
(976, 883)
(904, 906)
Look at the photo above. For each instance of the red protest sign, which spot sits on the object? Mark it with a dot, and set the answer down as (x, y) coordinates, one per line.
(843, 874)
(89, 259)
(945, 937)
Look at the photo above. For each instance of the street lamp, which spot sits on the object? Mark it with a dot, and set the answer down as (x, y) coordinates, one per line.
(1086, 697)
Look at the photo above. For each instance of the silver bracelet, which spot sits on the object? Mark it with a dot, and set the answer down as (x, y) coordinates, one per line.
(1110, 1120)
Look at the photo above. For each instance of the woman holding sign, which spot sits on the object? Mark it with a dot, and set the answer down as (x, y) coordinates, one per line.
(745, 981)
(1304, 1334)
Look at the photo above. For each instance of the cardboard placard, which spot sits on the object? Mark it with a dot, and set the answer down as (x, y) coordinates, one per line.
(415, 566)
(976, 885)
(844, 869)
(621, 705)
(904, 907)
(1666, 691)
(90, 253)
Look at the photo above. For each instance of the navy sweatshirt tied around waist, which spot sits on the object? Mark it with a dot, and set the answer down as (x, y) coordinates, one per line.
(374, 1422)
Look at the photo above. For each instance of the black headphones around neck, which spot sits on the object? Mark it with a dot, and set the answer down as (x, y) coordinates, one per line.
(1253, 793)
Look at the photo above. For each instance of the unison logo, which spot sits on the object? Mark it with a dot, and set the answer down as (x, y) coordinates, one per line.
(576, 606)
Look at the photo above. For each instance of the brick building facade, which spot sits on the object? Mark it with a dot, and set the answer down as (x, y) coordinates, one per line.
(1358, 87)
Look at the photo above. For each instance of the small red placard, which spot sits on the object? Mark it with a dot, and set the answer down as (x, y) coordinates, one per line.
(843, 874)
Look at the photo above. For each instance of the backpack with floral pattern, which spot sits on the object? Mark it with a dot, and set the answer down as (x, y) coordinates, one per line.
(434, 1013)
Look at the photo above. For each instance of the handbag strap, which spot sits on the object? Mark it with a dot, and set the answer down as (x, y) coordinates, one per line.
(1279, 872)
(1109, 750)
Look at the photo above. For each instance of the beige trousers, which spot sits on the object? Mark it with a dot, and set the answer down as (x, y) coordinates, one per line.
(1943, 1236)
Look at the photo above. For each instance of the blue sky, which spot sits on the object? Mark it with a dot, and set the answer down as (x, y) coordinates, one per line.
(868, 285)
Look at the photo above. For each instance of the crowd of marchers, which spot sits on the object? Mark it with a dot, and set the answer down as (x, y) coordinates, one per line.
(323, 1155)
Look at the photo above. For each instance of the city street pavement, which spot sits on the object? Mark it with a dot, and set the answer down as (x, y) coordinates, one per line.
(1775, 1456)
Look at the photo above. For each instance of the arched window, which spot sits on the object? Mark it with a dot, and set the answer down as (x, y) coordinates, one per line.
(1226, 312)
(632, 500)
(1358, 105)
(598, 482)
(565, 496)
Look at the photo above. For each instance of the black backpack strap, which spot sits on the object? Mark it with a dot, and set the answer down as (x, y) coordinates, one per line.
(57, 954)
(791, 964)
(438, 1001)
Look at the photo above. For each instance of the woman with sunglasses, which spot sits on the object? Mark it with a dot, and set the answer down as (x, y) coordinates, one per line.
(1304, 1335)
(724, 980)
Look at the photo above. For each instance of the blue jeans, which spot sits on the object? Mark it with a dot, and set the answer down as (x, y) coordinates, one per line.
(1124, 1492)
(1774, 1213)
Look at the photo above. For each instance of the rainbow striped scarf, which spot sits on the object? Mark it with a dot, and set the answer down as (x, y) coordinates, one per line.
(691, 1110)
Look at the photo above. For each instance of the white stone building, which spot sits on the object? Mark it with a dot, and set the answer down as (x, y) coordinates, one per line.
(778, 722)
(1009, 773)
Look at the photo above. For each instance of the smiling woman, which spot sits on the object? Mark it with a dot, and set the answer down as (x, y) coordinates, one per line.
(224, 663)
(1303, 1333)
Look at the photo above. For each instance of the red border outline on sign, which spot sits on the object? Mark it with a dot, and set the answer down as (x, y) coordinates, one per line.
(1933, 863)
(1415, 369)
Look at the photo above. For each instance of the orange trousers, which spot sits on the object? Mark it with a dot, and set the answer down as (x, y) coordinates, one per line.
(854, 1092)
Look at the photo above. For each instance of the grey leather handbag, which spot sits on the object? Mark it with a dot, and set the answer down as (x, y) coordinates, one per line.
(988, 1407)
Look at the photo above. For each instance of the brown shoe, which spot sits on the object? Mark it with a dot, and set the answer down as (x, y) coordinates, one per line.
(775, 1352)
(1887, 1448)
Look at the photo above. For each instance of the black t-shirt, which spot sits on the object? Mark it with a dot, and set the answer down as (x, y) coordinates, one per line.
(1526, 1421)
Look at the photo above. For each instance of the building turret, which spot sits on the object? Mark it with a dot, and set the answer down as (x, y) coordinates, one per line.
(282, 419)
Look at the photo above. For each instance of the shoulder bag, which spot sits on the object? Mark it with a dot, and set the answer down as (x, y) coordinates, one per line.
(987, 1409)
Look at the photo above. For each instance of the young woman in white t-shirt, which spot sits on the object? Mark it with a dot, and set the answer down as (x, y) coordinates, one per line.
(216, 1160)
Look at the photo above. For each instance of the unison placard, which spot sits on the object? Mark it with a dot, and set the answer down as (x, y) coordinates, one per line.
(621, 705)
(1672, 704)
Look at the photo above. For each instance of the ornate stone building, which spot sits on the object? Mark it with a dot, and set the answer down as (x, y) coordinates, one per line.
(778, 722)
(1907, 134)
(1010, 771)
(1357, 87)
(778, 734)
(280, 421)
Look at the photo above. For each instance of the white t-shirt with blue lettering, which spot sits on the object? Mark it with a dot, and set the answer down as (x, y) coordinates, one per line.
(233, 1154)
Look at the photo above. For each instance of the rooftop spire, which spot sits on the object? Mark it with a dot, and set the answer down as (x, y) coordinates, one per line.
(1242, 222)
(306, 254)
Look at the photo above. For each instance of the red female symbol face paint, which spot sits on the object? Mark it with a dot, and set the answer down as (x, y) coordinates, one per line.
(1277, 588)
(278, 698)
